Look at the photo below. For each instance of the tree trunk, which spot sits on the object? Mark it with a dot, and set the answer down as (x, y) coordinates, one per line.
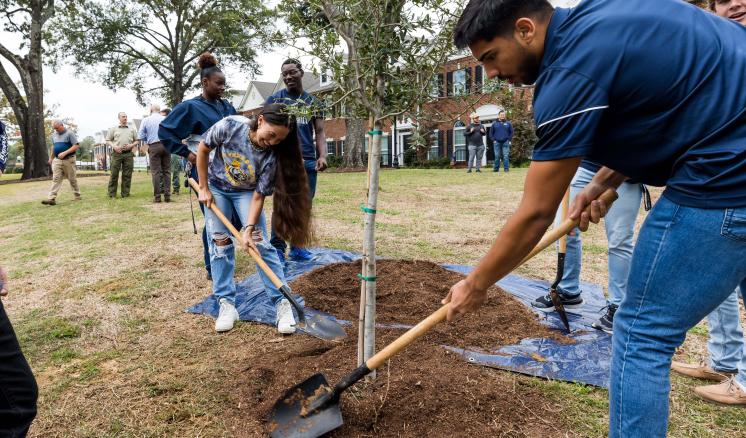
(35, 155)
(354, 141)
(369, 244)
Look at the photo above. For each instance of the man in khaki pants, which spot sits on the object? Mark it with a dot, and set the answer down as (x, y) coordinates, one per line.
(122, 140)
(62, 159)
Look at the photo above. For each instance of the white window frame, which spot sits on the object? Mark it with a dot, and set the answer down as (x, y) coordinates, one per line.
(460, 147)
(462, 84)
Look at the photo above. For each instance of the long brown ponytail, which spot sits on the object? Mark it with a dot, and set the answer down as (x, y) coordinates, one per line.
(291, 205)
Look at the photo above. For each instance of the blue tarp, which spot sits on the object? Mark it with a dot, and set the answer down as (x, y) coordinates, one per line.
(587, 361)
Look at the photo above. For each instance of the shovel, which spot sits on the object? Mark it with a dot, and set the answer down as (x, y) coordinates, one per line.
(315, 324)
(311, 408)
(553, 294)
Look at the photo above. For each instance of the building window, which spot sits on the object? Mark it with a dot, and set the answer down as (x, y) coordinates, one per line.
(385, 160)
(435, 84)
(432, 154)
(459, 82)
(459, 141)
(330, 147)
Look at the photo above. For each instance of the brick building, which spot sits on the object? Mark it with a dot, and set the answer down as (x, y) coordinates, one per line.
(456, 92)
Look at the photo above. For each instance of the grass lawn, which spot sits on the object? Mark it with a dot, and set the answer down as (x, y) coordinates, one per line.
(99, 289)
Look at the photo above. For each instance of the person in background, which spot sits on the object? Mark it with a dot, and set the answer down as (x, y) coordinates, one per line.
(190, 119)
(122, 139)
(62, 159)
(501, 132)
(3, 148)
(254, 158)
(474, 134)
(310, 134)
(18, 389)
(725, 344)
(176, 165)
(160, 158)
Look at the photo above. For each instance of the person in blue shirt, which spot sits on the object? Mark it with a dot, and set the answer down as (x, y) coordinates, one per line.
(652, 91)
(190, 119)
(725, 343)
(160, 158)
(501, 132)
(253, 158)
(310, 135)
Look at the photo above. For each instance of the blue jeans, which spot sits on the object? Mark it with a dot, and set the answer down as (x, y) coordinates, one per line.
(222, 258)
(502, 152)
(686, 262)
(725, 343)
(620, 228)
(312, 174)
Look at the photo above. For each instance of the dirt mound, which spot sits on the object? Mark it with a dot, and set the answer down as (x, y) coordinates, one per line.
(408, 291)
(425, 390)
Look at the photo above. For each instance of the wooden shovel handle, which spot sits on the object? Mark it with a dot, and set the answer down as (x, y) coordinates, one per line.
(609, 196)
(439, 315)
(563, 216)
(254, 255)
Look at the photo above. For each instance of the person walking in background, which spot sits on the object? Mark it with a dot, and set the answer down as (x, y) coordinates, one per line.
(18, 389)
(122, 140)
(725, 344)
(176, 165)
(310, 134)
(160, 158)
(191, 118)
(501, 133)
(62, 159)
(3, 148)
(474, 134)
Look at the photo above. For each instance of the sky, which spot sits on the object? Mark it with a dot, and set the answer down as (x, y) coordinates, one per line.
(94, 107)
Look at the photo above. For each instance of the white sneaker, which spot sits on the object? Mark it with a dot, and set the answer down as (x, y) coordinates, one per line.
(285, 318)
(226, 317)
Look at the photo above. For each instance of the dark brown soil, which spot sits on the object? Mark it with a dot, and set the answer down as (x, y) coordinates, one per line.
(409, 291)
(424, 391)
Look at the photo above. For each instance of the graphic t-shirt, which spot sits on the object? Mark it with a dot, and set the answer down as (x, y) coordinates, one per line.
(237, 165)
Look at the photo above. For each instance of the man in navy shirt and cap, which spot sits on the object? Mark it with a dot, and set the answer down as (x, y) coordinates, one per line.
(652, 91)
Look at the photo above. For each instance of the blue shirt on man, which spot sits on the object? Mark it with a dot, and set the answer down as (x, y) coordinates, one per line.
(63, 142)
(501, 131)
(651, 89)
(149, 128)
(304, 122)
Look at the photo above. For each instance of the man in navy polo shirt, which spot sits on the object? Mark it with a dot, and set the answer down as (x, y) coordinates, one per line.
(651, 90)
(310, 135)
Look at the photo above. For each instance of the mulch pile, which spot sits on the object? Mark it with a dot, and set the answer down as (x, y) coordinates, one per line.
(425, 390)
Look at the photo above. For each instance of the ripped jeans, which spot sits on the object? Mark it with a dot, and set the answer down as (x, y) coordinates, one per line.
(222, 257)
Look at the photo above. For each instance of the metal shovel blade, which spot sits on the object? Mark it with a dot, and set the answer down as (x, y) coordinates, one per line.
(559, 307)
(286, 419)
(322, 327)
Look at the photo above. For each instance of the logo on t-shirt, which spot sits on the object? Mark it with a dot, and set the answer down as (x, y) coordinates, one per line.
(238, 169)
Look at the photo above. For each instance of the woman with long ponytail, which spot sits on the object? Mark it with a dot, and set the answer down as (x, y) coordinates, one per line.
(254, 158)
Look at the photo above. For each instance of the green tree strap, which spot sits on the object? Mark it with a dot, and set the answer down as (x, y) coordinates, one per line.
(375, 132)
(367, 210)
(360, 276)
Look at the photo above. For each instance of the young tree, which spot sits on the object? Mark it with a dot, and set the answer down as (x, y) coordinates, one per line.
(151, 46)
(382, 54)
(26, 19)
